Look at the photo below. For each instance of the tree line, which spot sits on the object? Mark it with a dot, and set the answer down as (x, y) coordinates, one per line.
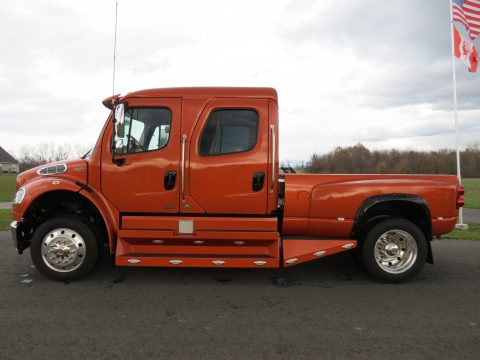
(358, 159)
(30, 156)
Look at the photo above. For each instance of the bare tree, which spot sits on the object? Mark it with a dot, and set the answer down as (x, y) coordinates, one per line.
(34, 155)
(81, 149)
(360, 160)
(62, 152)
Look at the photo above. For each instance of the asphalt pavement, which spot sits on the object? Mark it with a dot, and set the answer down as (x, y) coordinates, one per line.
(5, 205)
(328, 309)
(471, 216)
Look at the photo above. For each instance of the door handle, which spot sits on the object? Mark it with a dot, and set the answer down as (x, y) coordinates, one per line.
(118, 161)
(170, 179)
(258, 179)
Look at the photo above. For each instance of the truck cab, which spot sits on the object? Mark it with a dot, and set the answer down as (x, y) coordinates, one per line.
(189, 177)
(210, 146)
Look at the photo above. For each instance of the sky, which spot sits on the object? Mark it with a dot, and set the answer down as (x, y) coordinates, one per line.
(361, 71)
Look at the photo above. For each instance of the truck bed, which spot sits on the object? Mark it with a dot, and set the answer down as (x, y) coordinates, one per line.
(328, 205)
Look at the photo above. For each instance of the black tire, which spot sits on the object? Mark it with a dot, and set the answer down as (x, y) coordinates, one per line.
(73, 230)
(401, 250)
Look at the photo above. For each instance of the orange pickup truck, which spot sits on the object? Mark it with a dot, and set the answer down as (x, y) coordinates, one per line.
(189, 177)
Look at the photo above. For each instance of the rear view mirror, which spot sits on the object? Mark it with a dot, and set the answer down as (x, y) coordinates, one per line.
(119, 144)
(120, 120)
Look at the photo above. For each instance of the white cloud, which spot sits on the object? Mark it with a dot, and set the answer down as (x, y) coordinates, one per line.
(345, 74)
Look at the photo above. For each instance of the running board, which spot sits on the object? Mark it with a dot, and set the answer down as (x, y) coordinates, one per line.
(298, 250)
(174, 260)
(198, 242)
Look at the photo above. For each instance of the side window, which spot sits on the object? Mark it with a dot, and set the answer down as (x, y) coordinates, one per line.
(146, 129)
(229, 131)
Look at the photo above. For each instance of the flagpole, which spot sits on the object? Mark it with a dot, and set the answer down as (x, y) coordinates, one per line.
(460, 224)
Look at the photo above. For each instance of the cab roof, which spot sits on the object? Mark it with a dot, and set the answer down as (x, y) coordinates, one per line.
(207, 92)
(199, 93)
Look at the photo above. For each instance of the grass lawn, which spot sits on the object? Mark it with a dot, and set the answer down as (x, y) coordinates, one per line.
(5, 219)
(7, 186)
(472, 193)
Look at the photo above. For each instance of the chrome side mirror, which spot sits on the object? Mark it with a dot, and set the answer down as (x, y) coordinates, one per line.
(120, 120)
(118, 147)
(119, 144)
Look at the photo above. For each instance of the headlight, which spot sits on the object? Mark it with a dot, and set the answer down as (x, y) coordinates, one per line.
(19, 196)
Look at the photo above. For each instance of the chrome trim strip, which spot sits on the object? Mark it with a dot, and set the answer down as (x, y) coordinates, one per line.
(184, 138)
(51, 166)
(272, 185)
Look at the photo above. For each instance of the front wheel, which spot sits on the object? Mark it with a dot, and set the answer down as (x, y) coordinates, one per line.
(394, 250)
(64, 248)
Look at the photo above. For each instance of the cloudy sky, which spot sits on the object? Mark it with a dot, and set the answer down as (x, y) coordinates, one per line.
(375, 72)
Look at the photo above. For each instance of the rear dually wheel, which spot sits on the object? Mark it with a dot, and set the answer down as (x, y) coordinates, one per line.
(394, 250)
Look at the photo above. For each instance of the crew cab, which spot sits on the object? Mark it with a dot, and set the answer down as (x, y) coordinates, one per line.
(189, 177)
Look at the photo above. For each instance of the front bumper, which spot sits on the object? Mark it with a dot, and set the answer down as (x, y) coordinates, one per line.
(13, 229)
(18, 237)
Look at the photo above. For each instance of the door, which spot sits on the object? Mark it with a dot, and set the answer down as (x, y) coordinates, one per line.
(145, 175)
(228, 157)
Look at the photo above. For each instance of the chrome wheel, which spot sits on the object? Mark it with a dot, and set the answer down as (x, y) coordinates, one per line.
(395, 251)
(63, 250)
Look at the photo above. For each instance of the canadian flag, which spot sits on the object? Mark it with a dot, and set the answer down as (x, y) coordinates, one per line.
(465, 51)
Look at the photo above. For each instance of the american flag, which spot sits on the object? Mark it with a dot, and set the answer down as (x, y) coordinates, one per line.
(468, 13)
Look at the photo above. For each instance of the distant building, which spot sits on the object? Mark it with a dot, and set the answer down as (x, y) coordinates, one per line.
(8, 164)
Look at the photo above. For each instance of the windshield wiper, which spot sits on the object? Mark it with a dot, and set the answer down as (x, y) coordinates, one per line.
(87, 153)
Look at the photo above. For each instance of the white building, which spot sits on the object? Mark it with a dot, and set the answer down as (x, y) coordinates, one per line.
(8, 164)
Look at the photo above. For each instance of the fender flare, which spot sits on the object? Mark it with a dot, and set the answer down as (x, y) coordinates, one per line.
(419, 201)
(51, 184)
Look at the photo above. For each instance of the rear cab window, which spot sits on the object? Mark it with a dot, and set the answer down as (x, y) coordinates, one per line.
(229, 131)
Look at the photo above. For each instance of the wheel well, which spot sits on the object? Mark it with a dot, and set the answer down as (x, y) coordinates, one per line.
(62, 202)
(414, 210)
